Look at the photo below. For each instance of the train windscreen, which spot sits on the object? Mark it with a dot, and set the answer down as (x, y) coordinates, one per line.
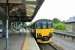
(49, 24)
(43, 24)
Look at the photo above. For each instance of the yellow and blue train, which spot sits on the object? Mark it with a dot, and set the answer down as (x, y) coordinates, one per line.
(42, 30)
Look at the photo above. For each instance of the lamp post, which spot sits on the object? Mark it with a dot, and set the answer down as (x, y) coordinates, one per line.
(7, 26)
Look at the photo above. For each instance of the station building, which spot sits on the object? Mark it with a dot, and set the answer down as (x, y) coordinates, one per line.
(70, 24)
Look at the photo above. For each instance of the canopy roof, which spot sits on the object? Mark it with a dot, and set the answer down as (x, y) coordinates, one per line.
(20, 10)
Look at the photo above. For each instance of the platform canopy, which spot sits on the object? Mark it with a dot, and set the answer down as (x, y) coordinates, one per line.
(20, 10)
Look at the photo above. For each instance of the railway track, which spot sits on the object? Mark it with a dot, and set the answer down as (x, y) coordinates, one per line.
(46, 47)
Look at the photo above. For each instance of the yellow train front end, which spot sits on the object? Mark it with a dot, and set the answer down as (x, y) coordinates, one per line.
(43, 30)
(44, 35)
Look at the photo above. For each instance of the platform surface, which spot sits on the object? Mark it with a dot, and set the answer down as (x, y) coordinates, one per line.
(30, 43)
(15, 42)
(2, 43)
(22, 42)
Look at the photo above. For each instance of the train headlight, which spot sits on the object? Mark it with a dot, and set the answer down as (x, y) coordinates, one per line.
(39, 35)
(50, 35)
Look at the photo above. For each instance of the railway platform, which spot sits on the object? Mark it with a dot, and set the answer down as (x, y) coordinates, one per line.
(22, 42)
(30, 43)
(2, 44)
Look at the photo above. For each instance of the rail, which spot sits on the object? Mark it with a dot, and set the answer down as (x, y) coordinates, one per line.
(55, 48)
(46, 46)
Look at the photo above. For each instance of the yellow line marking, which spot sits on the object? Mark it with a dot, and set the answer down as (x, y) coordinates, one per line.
(26, 45)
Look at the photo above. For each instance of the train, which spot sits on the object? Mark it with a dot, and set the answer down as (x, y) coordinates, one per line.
(42, 30)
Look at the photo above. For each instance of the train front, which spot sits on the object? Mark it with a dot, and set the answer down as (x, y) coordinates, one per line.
(44, 31)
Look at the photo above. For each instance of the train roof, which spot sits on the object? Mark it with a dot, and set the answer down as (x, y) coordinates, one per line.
(41, 20)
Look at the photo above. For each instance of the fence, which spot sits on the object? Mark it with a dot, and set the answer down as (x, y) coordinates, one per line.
(66, 34)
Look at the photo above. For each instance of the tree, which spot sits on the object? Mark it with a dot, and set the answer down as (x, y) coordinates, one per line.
(55, 20)
(57, 24)
(60, 26)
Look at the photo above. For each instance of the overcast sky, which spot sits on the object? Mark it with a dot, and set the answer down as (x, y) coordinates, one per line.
(61, 9)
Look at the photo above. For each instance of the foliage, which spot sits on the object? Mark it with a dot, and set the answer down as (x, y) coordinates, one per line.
(60, 26)
(57, 24)
(55, 20)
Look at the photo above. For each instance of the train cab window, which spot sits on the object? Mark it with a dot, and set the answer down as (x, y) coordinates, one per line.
(38, 25)
(49, 24)
(44, 24)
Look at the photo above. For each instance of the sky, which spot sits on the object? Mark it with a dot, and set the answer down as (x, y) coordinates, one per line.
(61, 9)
